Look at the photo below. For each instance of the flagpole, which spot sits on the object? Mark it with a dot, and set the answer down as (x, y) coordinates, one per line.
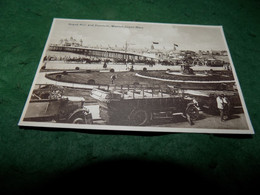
(174, 46)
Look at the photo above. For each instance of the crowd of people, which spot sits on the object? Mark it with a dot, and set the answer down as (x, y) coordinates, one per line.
(75, 59)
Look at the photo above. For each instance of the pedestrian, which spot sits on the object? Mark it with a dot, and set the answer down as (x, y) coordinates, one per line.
(132, 68)
(226, 105)
(113, 78)
(105, 64)
(220, 106)
(189, 119)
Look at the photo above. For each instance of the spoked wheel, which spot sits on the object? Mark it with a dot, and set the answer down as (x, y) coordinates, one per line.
(78, 121)
(139, 117)
(193, 112)
(78, 118)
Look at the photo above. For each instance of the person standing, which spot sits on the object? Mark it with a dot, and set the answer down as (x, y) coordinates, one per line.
(105, 64)
(226, 109)
(126, 64)
(113, 78)
(220, 106)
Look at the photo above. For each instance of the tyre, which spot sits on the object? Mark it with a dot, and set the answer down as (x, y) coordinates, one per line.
(193, 112)
(139, 117)
(78, 118)
(78, 121)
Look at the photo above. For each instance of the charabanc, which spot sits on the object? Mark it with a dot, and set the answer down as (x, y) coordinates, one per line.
(139, 106)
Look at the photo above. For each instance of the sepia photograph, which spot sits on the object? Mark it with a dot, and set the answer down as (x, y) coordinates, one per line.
(136, 76)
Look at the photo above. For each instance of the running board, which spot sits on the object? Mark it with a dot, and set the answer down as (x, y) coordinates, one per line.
(177, 113)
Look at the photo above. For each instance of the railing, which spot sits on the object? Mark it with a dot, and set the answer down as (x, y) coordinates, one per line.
(142, 90)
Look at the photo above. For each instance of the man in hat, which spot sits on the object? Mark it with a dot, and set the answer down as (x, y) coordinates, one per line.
(226, 108)
(220, 106)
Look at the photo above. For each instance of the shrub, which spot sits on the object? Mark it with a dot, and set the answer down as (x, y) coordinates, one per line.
(112, 70)
(91, 81)
(58, 77)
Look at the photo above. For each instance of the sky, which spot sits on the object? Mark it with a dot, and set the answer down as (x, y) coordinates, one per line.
(139, 35)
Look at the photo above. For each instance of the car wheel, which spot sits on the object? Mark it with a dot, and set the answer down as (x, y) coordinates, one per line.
(193, 112)
(78, 118)
(78, 121)
(139, 117)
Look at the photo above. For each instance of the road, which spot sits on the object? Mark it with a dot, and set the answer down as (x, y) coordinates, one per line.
(60, 65)
(237, 121)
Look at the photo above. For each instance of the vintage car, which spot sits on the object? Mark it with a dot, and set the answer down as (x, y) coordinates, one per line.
(48, 103)
(139, 106)
(208, 104)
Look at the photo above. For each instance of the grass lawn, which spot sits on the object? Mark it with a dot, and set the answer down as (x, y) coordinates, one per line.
(122, 78)
(216, 76)
(127, 77)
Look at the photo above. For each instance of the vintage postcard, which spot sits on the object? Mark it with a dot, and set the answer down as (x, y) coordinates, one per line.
(136, 76)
